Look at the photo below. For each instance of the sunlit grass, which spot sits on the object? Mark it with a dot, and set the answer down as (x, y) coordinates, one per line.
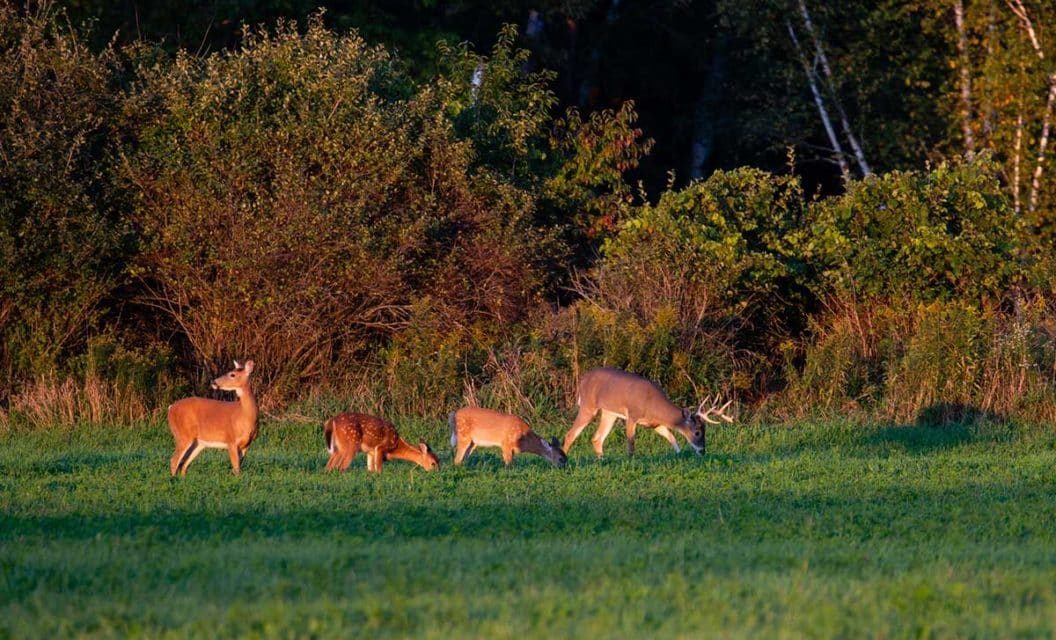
(824, 530)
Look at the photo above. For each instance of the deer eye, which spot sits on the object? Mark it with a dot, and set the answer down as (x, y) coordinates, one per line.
(232, 375)
(698, 432)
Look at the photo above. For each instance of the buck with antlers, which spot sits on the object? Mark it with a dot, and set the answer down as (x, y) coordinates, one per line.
(349, 433)
(473, 427)
(617, 394)
(200, 423)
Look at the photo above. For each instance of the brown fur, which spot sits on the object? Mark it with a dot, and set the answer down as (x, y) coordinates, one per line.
(201, 423)
(474, 426)
(640, 402)
(349, 433)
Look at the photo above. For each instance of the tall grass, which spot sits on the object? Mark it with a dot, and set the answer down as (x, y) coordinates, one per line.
(938, 362)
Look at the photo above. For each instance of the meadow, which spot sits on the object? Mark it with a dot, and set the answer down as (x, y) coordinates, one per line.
(822, 530)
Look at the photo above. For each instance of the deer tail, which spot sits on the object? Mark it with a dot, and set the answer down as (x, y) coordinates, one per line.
(328, 434)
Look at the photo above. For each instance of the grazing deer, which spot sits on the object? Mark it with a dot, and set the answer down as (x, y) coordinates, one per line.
(618, 394)
(472, 427)
(349, 433)
(200, 423)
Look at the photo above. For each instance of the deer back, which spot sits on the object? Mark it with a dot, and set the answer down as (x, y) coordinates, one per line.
(359, 431)
(628, 395)
(488, 426)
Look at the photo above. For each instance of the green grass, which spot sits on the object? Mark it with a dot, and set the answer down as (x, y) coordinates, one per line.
(815, 531)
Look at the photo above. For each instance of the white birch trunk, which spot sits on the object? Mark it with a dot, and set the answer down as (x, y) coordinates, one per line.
(1046, 129)
(822, 111)
(965, 77)
(1018, 147)
(859, 155)
(1020, 11)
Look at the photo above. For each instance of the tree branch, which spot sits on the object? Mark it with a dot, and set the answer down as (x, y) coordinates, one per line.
(822, 111)
(859, 155)
(1020, 11)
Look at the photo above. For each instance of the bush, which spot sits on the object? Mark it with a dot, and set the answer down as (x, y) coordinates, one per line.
(944, 234)
(63, 238)
(297, 197)
(702, 285)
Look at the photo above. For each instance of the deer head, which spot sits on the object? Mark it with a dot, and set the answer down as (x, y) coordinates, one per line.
(236, 379)
(695, 422)
(556, 454)
(429, 461)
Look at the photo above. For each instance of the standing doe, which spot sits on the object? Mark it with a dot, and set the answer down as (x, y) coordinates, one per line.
(472, 427)
(349, 433)
(618, 394)
(201, 423)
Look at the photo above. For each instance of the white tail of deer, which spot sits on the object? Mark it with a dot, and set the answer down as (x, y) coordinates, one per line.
(199, 423)
(473, 427)
(620, 395)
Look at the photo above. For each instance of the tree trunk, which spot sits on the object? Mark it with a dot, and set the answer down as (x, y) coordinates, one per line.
(965, 78)
(1046, 129)
(845, 170)
(1017, 148)
(1020, 11)
(859, 155)
(704, 113)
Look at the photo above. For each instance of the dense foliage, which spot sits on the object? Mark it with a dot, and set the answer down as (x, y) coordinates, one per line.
(409, 238)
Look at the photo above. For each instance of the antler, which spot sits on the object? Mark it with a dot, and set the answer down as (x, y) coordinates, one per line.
(714, 409)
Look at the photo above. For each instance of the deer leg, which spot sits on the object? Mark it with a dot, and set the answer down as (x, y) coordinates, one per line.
(583, 418)
(189, 458)
(507, 455)
(632, 428)
(379, 458)
(348, 450)
(344, 459)
(236, 460)
(182, 450)
(462, 450)
(608, 419)
(335, 459)
(666, 434)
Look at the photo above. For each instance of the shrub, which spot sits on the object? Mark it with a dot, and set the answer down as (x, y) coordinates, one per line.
(297, 197)
(63, 240)
(933, 362)
(700, 286)
(943, 234)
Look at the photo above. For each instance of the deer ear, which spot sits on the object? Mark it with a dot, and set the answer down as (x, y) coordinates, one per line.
(423, 447)
(554, 443)
(237, 366)
(248, 366)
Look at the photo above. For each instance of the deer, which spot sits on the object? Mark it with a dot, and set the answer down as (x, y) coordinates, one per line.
(349, 433)
(473, 426)
(201, 423)
(618, 394)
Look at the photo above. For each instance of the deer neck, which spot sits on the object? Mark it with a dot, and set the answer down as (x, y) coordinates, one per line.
(247, 406)
(405, 451)
(668, 415)
(532, 443)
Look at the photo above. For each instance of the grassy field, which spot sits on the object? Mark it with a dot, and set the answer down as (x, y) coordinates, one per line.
(814, 531)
